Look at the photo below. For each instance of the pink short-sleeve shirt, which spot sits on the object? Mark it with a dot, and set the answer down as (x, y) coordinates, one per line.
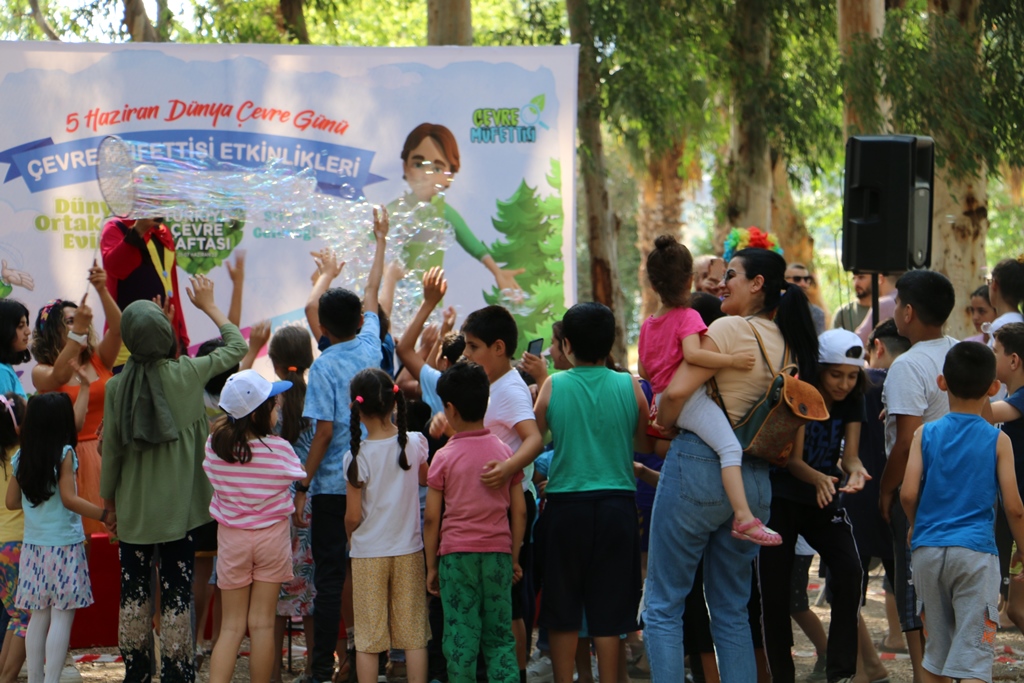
(661, 344)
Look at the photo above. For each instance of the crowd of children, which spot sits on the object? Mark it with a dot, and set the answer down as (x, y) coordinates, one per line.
(409, 500)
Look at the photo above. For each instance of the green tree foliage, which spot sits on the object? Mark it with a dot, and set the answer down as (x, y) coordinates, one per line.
(532, 227)
(938, 82)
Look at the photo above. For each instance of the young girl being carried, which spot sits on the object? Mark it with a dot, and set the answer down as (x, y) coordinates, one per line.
(382, 518)
(12, 529)
(251, 472)
(671, 336)
(53, 576)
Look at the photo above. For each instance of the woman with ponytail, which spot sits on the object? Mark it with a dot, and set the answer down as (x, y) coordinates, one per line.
(692, 516)
(382, 519)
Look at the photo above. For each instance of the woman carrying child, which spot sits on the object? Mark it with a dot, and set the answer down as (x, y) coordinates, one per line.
(673, 335)
(805, 502)
(251, 472)
(692, 515)
(53, 576)
(382, 519)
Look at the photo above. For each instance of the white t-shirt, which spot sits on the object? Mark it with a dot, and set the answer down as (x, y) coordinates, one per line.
(510, 404)
(1004, 319)
(390, 524)
(910, 385)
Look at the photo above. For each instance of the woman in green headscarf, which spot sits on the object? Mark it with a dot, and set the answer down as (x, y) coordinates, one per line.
(153, 449)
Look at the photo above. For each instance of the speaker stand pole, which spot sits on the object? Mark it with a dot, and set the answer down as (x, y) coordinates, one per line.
(874, 300)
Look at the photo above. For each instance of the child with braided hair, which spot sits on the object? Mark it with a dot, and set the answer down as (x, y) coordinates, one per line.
(382, 518)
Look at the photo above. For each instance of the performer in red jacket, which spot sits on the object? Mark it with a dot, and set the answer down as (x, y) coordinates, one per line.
(138, 256)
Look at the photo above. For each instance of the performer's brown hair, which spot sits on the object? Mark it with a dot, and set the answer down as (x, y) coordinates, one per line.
(441, 135)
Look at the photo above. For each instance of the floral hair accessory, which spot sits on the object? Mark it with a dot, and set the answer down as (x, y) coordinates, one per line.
(44, 312)
(396, 389)
(359, 399)
(749, 238)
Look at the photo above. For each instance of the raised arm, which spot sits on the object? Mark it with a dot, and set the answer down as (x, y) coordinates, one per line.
(380, 235)
(110, 345)
(392, 275)
(434, 288)
(237, 275)
(328, 268)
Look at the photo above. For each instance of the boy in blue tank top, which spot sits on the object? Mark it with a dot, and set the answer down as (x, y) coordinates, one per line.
(958, 466)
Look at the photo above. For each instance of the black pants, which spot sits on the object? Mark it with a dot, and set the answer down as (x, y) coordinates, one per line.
(829, 532)
(135, 632)
(327, 538)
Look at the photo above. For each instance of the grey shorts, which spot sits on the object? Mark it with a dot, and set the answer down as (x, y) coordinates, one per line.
(958, 593)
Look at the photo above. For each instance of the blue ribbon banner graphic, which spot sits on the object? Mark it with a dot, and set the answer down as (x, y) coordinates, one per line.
(340, 170)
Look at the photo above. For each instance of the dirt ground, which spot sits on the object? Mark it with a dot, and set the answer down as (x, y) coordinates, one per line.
(1009, 655)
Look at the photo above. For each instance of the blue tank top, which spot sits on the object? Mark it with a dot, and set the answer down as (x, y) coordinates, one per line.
(959, 485)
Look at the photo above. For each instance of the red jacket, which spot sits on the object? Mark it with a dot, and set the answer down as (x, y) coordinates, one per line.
(126, 257)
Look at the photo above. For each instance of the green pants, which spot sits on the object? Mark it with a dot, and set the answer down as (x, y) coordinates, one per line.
(476, 591)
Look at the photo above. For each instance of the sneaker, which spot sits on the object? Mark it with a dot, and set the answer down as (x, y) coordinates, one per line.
(539, 670)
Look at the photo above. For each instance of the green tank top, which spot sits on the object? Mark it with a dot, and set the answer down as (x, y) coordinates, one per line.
(592, 415)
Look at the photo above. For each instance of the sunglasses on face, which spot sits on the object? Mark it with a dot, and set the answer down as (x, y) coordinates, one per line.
(797, 279)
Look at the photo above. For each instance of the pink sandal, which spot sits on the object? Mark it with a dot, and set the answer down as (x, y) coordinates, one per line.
(755, 532)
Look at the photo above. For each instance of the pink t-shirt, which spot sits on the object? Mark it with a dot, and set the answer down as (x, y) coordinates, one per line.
(255, 495)
(661, 344)
(475, 517)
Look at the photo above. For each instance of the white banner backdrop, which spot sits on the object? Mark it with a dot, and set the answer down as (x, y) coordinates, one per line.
(345, 113)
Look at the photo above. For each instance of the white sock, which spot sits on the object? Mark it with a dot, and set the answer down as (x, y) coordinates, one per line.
(57, 640)
(35, 643)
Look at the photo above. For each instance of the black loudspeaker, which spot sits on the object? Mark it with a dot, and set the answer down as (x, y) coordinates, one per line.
(887, 205)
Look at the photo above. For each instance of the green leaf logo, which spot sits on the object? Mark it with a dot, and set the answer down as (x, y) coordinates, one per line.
(539, 101)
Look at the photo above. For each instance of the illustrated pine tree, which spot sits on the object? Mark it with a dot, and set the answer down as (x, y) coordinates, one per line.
(532, 229)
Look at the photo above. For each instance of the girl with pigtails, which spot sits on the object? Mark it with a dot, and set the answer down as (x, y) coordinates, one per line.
(385, 470)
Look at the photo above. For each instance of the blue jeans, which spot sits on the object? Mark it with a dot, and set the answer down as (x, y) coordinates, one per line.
(692, 517)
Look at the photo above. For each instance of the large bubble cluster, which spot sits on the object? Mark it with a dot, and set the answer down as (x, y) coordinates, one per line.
(140, 184)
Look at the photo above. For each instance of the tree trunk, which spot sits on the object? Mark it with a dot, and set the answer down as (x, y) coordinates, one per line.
(859, 20)
(137, 22)
(449, 22)
(660, 210)
(601, 237)
(789, 227)
(294, 15)
(960, 208)
(750, 173)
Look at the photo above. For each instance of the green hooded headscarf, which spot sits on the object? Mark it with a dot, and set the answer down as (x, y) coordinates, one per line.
(144, 414)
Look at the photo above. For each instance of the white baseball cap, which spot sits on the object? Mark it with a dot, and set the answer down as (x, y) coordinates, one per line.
(841, 347)
(245, 391)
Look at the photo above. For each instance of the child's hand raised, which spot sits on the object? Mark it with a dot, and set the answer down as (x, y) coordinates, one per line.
(201, 293)
(743, 361)
(237, 272)
(434, 286)
(327, 263)
(448, 320)
(381, 224)
(259, 334)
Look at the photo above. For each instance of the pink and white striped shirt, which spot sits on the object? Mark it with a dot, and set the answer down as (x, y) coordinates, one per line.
(257, 494)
